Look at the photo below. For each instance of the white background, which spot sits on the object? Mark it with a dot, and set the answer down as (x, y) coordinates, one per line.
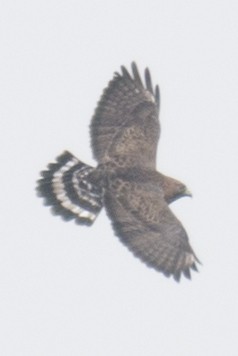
(71, 290)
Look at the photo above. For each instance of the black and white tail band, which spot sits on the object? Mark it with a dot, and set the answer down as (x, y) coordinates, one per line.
(65, 187)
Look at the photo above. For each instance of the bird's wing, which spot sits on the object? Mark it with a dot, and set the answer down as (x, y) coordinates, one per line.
(145, 224)
(126, 122)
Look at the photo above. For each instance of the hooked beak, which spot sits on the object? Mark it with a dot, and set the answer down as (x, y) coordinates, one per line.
(187, 193)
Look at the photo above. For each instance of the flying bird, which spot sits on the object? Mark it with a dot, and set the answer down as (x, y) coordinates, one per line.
(125, 130)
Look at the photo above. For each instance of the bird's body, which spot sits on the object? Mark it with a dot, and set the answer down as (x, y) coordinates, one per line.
(124, 132)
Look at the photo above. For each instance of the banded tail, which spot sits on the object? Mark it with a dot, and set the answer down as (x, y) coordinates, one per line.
(65, 187)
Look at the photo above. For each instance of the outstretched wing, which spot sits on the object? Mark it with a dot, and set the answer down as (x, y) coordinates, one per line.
(126, 122)
(145, 224)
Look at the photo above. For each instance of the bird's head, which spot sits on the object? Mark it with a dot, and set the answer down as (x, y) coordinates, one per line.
(174, 189)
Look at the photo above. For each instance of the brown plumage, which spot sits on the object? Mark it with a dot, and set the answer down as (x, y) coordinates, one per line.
(124, 134)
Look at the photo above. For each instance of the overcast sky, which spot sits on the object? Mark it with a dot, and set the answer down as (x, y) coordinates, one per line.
(71, 290)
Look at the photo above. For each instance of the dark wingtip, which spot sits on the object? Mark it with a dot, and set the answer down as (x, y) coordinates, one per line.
(136, 74)
(137, 79)
(125, 73)
(148, 81)
(187, 273)
(194, 267)
(196, 259)
(177, 276)
(157, 95)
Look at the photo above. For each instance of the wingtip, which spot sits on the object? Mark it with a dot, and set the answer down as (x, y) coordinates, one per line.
(136, 74)
(157, 95)
(177, 276)
(148, 81)
(187, 273)
(125, 73)
(137, 78)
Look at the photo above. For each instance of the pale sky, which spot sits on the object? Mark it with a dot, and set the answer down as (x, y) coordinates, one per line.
(72, 290)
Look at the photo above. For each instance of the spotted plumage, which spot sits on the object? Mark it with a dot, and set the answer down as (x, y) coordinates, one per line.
(124, 135)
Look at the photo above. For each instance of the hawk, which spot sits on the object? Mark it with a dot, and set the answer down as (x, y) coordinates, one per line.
(125, 130)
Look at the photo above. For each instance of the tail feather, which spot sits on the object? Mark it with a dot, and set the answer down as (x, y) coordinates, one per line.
(65, 187)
